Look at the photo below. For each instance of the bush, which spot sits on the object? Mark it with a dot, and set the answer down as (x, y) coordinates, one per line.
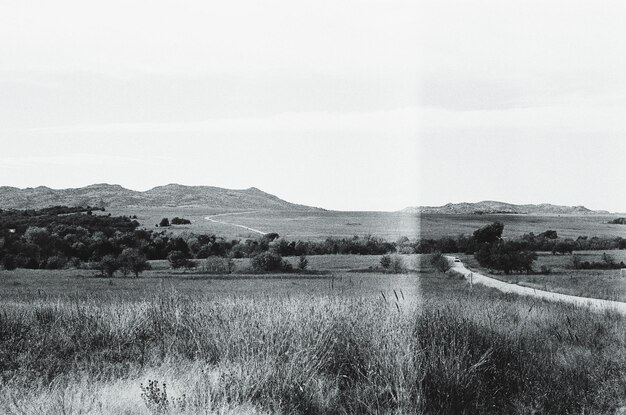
(440, 262)
(302, 262)
(269, 261)
(56, 262)
(165, 222)
(397, 264)
(385, 261)
(218, 265)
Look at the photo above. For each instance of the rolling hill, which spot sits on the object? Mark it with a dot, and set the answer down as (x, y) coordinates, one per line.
(171, 195)
(493, 207)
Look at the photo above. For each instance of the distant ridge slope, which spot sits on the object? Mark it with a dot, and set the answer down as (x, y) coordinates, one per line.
(493, 207)
(174, 195)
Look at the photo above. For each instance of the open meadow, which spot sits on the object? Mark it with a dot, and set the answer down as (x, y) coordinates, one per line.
(343, 342)
(292, 225)
(318, 225)
(567, 226)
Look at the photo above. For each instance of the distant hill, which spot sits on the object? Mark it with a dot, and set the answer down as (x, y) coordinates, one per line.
(492, 207)
(171, 195)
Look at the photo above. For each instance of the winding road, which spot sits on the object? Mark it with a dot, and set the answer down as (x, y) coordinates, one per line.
(210, 219)
(592, 303)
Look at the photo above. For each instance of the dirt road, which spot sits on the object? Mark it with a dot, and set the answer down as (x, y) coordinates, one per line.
(210, 219)
(593, 303)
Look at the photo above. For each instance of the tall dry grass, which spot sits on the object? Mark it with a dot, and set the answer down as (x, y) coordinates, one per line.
(456, 351)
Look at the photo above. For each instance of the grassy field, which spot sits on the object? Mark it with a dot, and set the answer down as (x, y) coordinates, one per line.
(437, 225)
(314, 225)
(563, 278)
(391, 226)
(340, 343)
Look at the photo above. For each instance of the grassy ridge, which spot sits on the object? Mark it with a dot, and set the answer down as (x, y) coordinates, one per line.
(443, 348)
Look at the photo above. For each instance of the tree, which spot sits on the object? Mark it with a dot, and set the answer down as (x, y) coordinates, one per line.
(165, 222)
(131, 260)
(302, 262)
(178, 260)
(489, 233)
(108, 265)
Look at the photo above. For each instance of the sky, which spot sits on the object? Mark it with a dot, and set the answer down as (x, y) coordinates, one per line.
(312, 101)
(523, 102)
(349, 105)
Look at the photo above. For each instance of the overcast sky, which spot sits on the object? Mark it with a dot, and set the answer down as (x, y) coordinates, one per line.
(359, 105)
(523, 102)
(312, 101)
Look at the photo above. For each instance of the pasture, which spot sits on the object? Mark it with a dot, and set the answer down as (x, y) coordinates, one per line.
(308, 225)
(318, 225)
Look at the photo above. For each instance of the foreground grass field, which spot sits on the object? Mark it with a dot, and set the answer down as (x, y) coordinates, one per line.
(434, 346)
(563, 278)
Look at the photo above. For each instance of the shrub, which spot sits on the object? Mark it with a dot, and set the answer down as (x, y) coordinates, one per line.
(165, 222)
(385, 261)
(56, 262)
(397, 264)
(269, 261)
(440, 262)
(218, 265)
(302, 262)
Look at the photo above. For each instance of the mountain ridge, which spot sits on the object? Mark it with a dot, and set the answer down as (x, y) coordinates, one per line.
(169, 195)
(495, 207)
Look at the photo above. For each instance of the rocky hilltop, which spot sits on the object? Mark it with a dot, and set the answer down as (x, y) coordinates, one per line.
(493, 207)
(174, 195)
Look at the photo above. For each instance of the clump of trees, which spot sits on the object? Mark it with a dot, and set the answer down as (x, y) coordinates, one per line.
(180, 221)
(165, 222)
(270, 262)
(608, 262)
(497, 254)
(179, 259)
(130, 261)
(393, 263)
(618, 221)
